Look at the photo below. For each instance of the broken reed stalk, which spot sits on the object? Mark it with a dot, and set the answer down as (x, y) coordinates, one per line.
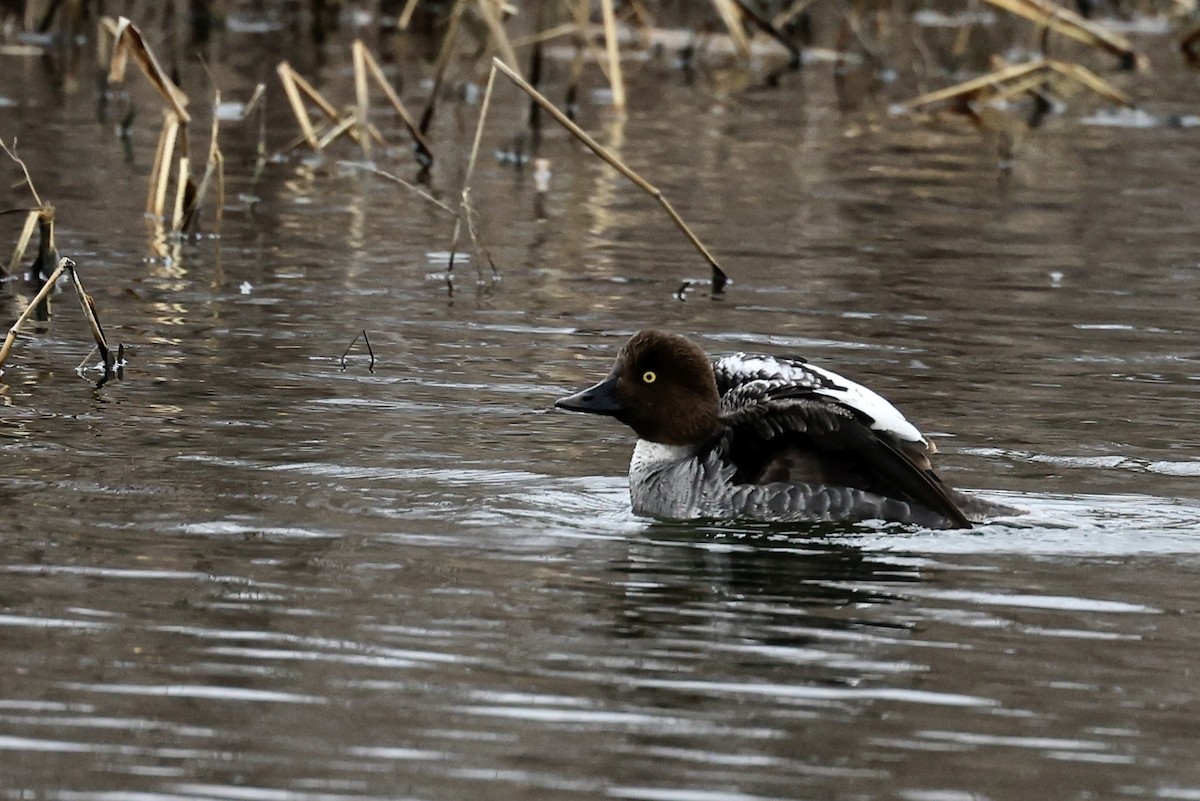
(6, 348)
(731, 15)
(127, 41)
(361, 53)
(31, 221)
(287, 77)
(406, 15)
(37, 199)
(443, 60)
(294, 85)
(615, 78)
(1012, 80)
(160, 176)
(1070, 24)
(491, 18)
(214, 166)
(719, 278)
(89, 313)
(467, 209)
(181, 192)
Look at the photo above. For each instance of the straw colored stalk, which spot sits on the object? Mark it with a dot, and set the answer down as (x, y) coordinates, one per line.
(1013, 80)
(6, 348)
(406, 15)
(214, 167)
(1070, 24)
(183, 187)
(490, 11)
(364, 64)
(128, 42)
(467, 209)
(89, 313)
(789, 14)
(731, 15)
(362, 95)
(31, 221)
(443, 60)
(719, 278)
(160, 173)
(612, 47)
(294, 85)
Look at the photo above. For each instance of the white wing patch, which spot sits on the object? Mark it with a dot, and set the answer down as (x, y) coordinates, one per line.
(886, 417)
(740, 368)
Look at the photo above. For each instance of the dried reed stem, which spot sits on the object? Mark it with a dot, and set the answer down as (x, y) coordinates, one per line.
(181, 183)
(362, 94)
(976, 85)
(731, 15)
(31, 221)
(89, 313)
(287, 76)
(443, 60)
(615, 77)
(719, 278)
(1012, 80)
(6, 348)
(467, 209)
(406, 15)
(128, 41)
(491, 18)
(24, 169)
(1066, 22)
(161, 176)
(368, 60)
(214, 164)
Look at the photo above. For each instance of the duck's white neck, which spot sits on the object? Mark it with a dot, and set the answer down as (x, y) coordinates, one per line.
(650, 457)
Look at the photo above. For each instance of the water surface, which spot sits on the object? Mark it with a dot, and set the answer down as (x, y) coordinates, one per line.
(246, 572)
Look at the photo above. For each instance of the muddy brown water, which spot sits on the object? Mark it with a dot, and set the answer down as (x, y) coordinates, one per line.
(244, 572)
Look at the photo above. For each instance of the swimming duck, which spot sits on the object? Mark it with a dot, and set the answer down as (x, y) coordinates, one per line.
(766, 438)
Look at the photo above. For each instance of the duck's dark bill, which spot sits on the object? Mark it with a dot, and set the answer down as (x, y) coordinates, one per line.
(600, 399)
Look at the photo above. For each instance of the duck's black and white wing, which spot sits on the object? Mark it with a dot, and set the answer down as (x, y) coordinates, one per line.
(791, 422)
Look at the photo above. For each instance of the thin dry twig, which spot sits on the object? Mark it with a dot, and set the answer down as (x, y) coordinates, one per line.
(396, 179)
(491, 18)
(719, 278)
(31, 221)
(467, 209)
(443, 61)
(11, 152)
(731, 15)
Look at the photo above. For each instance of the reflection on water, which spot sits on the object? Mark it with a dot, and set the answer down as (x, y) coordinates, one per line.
(246, 572)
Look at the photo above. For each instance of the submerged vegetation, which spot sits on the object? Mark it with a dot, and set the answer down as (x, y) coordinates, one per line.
(1022, 62)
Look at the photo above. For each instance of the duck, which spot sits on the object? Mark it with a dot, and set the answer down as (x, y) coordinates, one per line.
(768, 439)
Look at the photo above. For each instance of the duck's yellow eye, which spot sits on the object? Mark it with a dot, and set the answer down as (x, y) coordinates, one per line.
(649, 377)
